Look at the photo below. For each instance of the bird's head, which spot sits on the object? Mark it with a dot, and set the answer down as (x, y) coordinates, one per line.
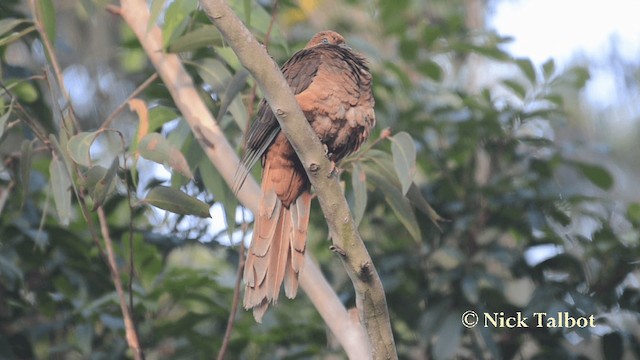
(326, 37)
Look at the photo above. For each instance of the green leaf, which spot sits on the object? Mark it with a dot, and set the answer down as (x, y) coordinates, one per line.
(26, 92)
(598, 175)
(4, 118)
(158, 116)
(526, 66)
(175, 19)
(633, 213)
(8, 24)
(105, 185)
(408, 48)
(470, 288)
(214, 182)
(415, 196)
(448, 258)
(613, 346)
(156, 9)
(515, 87)
(231, 101)
(61, 188)
(449, 336)
(398, 203)
(548, 68)
(203, 36)
(359, 185)
(156, 148)
(403, 150)
(176, 201)
(16, 35)
(79, 147)
(431, 69)
(47, 15)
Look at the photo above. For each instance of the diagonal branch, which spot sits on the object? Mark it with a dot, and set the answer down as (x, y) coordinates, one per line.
(370, 295)
(136, 13)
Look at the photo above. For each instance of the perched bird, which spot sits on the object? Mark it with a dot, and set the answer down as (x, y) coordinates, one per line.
(332, 84)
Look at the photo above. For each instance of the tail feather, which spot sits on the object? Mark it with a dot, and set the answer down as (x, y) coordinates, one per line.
(276, 255)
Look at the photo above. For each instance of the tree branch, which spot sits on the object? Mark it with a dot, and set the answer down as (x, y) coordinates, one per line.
(130, 330)
(222, 155)
(370, 295)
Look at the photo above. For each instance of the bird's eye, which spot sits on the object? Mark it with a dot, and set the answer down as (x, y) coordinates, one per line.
(325, 40)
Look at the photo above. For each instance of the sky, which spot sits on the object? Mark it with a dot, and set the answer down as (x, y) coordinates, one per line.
(562, 29)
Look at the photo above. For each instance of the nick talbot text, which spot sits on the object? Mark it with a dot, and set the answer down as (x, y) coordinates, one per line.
(538, 319)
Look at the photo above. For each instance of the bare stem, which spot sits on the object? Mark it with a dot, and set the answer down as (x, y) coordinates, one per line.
(130, 330)
(236, 300)
(135, 93)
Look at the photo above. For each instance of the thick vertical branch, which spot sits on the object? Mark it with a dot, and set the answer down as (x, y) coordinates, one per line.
(370, 295)
(221, 154)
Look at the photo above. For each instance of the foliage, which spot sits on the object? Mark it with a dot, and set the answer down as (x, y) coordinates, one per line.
(486, 159)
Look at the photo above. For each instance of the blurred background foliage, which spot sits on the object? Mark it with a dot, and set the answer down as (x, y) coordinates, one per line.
(534, 216)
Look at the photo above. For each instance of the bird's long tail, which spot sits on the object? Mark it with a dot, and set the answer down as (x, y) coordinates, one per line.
(277, 251)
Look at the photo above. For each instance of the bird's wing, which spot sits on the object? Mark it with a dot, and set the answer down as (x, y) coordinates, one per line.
(339, 102)
(299, 71)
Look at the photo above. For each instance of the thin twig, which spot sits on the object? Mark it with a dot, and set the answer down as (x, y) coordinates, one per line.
(131, 333)
(53, 59)
(131, 252)
(135, 93)
(236, 299)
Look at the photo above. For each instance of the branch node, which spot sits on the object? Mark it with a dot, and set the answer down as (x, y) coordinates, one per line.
(365, 271)
(314, 168)
(338, 250)
(281, 113)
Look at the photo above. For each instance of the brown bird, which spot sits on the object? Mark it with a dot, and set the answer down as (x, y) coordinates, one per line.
(332, 84)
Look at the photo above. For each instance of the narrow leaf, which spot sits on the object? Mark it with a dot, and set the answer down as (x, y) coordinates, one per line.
(61, 187)
(403, 150)
(79, 147)
(176, 201)
(548, 68)
(359, 185)
(598, 175)
(104, 186)
(156, 10)
(432, 69)
(231, 101)
(613, 346)
(156, 148)
(223, 195)
(203, 36)
(3, 120)
(515, 87)
(398, 203)
(47, 15)
(415, 196)
(449, 336)
(8, 24)
(526, 66)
